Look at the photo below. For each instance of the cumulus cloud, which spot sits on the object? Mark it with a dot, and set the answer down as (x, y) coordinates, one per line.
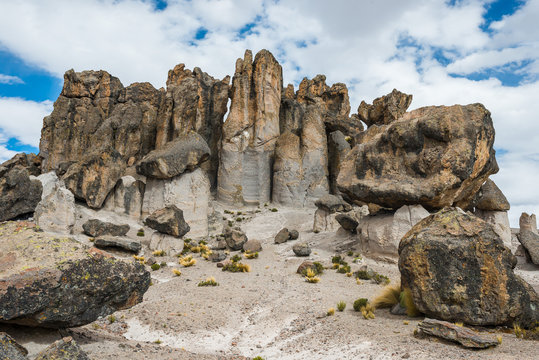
(22, 119)
(10, 79)
(372, 46)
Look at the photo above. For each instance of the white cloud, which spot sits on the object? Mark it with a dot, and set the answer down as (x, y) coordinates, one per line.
(373, 46)
(10, 79)
(22, 119)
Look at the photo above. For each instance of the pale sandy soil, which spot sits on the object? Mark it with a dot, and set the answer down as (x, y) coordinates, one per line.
(271, 311)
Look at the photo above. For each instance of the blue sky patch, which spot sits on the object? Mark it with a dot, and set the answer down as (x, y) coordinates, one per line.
(38, 85)
(15, 145)
(496, 10)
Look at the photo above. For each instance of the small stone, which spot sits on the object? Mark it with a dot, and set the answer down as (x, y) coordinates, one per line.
(397, 309)
(301, 249)
(235, 238)
(347, 222)
(63, 349)
(118, 242)
(294, 234)
(452, 332)
(168, 220)
(96, 227)
(252, 246)
(282, 236)
(304, 266)
(217, 256)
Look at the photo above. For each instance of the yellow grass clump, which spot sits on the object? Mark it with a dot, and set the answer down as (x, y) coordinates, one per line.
(388, 297)
(187, 261)
(176, 272)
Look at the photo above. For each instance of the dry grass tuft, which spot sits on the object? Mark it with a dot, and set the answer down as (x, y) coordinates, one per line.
(388, 297)
(187, 261)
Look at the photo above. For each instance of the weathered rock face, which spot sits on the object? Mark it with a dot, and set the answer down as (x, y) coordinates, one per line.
(19, 195)
(186, 152)
(64, 288)
(117, 242)
(94, 110)
(56, 210)
(530, 241)
(301, 171)
(434, 156)
(382, 233)
(338, 147)
(457, 269)
(189, 192)
(10, 349)
(95, 175)
(332, 203)
(250, 131)
(500, 223)
(197, 102)
(492, 198)
(528, 222)
(384, 110)
(168, 220)
(63, 349)
(31, 162)
(127, 197)
(96, 227)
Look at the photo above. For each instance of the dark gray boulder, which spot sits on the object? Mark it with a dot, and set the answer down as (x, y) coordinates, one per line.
(96, 227)
(168, 220)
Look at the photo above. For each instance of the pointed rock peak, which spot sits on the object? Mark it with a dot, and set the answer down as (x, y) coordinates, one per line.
(94, 84)
(385, 109)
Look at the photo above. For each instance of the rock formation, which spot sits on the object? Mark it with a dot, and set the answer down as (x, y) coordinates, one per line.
(492, 198)
(19, 195)
(529, 237)
(458, 269)
(384, 110)
(63, 349)
(194, 101)
(127, 197)
(186, 152)
(434, 156)
(250, 131)
(94, 110)
(56, 210)
(168, 220)
(64, 288)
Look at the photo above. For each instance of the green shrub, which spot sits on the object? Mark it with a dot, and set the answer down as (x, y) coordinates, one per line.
(155, 266)
(359, 303)
(341, 305)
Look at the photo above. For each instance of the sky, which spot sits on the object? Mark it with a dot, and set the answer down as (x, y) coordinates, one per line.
(443, 52)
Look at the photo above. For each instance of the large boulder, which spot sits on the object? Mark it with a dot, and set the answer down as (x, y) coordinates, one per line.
(189, 192)
(384, 110)
(530, 241)
(250, 131)
(458, 269)
(434, 156)
(95, 175)
(235, 238)
(68, 287)
(332, 204)
(500, 223)
(95, 110)
(492, 198)
(194, 101)
(168, 220)
(382, 233)
(186, 152)
(19, 194)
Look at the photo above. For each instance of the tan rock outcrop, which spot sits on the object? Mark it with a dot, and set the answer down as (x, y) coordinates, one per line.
(251, 130)
(384, 110)
(194, 101)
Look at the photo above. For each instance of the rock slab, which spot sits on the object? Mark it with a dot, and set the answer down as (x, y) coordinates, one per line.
(168, 220)
(458, 334)
(10, 349)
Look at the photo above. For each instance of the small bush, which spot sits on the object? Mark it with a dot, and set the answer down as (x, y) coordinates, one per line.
(363, 275)
(187, 261)
(112, 319)
(236, 267)
(310, 276)
(236, 258)
(337, 259)
(350, 253)
(341, 305)
(367, 311)
(140, 232)
(274, 210)
(228, 212)
(239, 219)
(316, 231)
(331, 312)
(359, 303)
(159, 253)
(155, 266)
(176, 272)
(208, 282)
(344, 269)
(381, 279)
(388, 297)
(407, 302)
(138, 258)
(230, 223)
(258, 358)
(250, 255)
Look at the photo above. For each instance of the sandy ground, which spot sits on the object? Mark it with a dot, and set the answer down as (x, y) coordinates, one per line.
(269, 312)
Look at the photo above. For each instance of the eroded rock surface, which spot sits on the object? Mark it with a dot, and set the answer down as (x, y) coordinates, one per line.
(194, 101)
(492, 198)
(168, 220)
(250, 131)
(434, 156)
(384, 110)
(458, 269)
(69, 287)
(63, 349)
